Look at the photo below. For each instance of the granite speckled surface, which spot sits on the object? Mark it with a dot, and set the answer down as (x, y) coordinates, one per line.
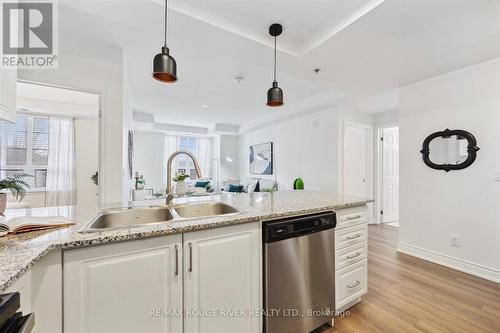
(19, 252)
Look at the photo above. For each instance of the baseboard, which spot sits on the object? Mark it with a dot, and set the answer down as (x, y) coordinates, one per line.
(347, 306)
(458, 264)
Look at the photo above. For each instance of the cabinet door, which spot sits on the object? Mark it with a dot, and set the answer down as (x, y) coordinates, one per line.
(133, 286)
(8, 94)
(222, 280)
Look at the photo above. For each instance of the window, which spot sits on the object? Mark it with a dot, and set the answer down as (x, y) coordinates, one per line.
(200, 147)
(185, 164)
(24, 147)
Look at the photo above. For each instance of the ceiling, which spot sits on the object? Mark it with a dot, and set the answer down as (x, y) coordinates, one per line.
(306, 24)
(42, 99)
(366, 50)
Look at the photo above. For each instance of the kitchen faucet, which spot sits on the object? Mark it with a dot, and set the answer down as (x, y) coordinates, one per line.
(169, 194)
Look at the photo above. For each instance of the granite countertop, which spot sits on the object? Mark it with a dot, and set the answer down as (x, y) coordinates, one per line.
(19, 252)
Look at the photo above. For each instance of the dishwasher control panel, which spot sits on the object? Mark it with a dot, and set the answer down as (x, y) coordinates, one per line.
(296, 226)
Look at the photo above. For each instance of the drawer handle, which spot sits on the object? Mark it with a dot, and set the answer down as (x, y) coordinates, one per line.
(354, 237)
(176, 260)
(357, 254)
(354, 285)
(190, 257)
(354, 217)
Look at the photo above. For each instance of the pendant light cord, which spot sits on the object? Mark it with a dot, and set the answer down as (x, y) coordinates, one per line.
(274, 58)
(166, 21)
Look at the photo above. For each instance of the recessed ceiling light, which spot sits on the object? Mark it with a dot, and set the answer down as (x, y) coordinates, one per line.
(204, 106)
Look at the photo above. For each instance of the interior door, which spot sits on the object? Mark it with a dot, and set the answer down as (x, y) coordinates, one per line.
(355, 161)
(390, 169)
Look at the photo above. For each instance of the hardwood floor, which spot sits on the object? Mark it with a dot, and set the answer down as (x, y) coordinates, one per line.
(406, 294)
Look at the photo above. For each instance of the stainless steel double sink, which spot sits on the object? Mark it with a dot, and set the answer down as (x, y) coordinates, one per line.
(121, 218)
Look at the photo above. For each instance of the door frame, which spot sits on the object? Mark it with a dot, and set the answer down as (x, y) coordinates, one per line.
(379, 176)
(369, 159)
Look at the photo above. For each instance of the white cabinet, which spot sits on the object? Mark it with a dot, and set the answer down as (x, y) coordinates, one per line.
(23, 287)
(350, 236)
(124, 287)
(351, 251)
(40, 290)
(204, 281)
(222, 273)
(47, 293)
(8, 94)
(351, 283)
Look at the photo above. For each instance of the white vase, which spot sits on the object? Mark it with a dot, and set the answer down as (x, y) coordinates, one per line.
(3, 202)
(180, 188)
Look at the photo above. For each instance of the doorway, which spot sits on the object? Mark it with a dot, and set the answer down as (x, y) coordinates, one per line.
(389, 176)
(54, 144)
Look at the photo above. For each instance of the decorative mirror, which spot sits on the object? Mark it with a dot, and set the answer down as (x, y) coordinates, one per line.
(449, 150)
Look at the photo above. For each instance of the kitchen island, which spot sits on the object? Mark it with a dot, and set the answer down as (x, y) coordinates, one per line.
(57, 260)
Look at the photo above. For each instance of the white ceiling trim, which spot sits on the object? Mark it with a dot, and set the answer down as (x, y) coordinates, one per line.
(360, 12)
(146, 122)
(56, 108)
(297, 51)
(219, 22)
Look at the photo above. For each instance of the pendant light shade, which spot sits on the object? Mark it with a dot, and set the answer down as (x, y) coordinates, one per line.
(164, 65)
(275, 94)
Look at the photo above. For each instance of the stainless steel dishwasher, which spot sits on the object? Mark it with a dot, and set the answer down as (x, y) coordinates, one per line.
(299, 273)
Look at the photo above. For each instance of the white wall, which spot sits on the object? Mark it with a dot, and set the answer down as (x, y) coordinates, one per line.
(229, 148)
(97, 69)
(128, 180)
(388, 117)
(309, 146)
(86, 160)
(434, 205)
(306, 146)
(149, 158)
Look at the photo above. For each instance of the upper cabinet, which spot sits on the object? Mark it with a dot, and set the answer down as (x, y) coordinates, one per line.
(8, 95)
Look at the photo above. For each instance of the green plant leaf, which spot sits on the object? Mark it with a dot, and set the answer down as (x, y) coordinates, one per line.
(16, 185)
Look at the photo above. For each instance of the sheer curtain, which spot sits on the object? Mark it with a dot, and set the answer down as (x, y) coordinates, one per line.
(60, 185)
(204, 155)
(171, 146)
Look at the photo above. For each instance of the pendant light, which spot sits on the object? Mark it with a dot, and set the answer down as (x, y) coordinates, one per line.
(275, 94)
(164, 65)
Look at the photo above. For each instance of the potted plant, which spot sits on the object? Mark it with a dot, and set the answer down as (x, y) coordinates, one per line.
(16, 185)
(180, 184)
(95, 178)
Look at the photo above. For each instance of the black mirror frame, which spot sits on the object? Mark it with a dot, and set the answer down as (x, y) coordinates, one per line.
(471, 150)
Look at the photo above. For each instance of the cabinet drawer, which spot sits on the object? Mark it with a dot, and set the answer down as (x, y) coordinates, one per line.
(350, 236)
(350, 255)
(351, 283)
(350, 217)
